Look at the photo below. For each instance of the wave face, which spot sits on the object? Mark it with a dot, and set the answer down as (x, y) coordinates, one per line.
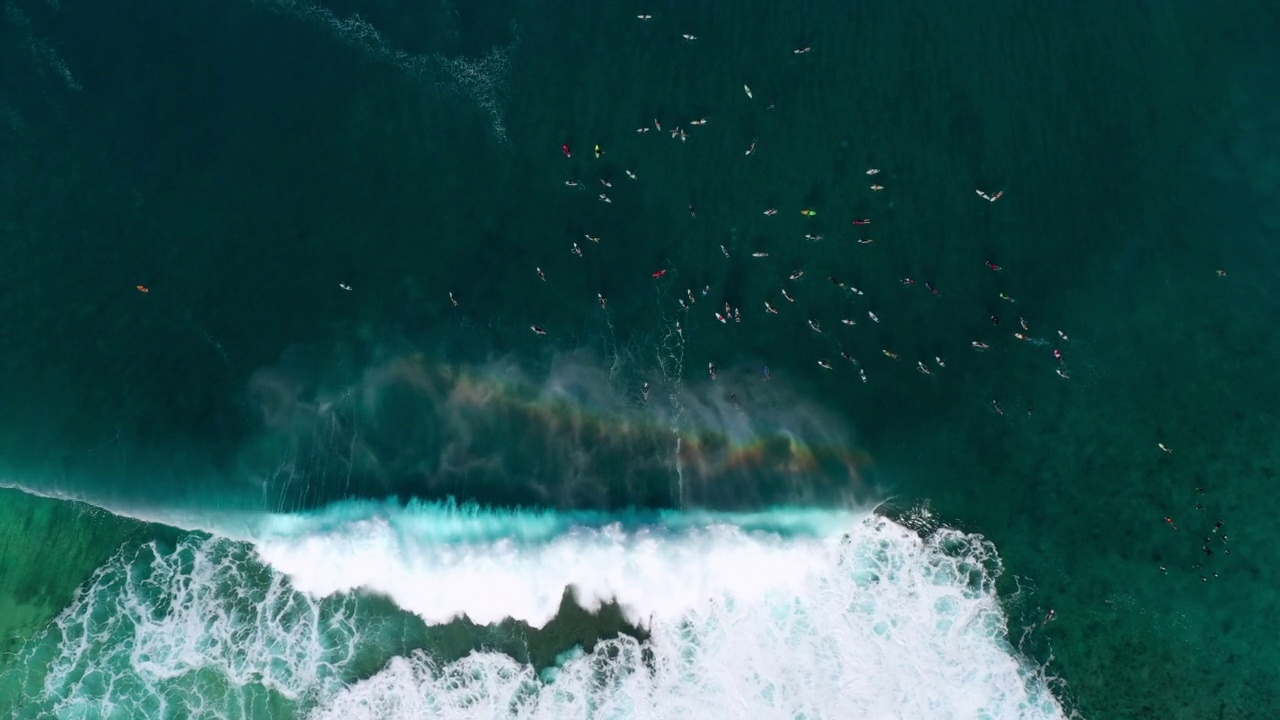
(782, 614)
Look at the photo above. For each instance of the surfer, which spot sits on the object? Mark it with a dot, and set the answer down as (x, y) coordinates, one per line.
(711, 368)
(537, 330)
(693, 212)
(453, 299)
(540, 274)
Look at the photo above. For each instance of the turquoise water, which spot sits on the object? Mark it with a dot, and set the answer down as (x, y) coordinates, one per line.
(248, 440)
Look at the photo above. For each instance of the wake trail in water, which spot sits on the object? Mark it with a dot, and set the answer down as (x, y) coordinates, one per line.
(482, 79)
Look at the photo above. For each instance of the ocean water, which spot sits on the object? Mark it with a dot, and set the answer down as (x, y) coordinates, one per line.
(278, 440)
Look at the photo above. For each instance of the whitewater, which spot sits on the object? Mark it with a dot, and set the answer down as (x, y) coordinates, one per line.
(789, 613)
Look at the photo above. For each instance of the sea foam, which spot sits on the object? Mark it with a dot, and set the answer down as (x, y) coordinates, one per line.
(783, 614)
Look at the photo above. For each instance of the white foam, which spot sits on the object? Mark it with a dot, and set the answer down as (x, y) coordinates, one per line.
(522, 569)
(142, 635)
(882, 624)
(784, 614)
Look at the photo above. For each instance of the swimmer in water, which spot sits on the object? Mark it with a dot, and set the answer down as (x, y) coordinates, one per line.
(995, 320)
(537, 330)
